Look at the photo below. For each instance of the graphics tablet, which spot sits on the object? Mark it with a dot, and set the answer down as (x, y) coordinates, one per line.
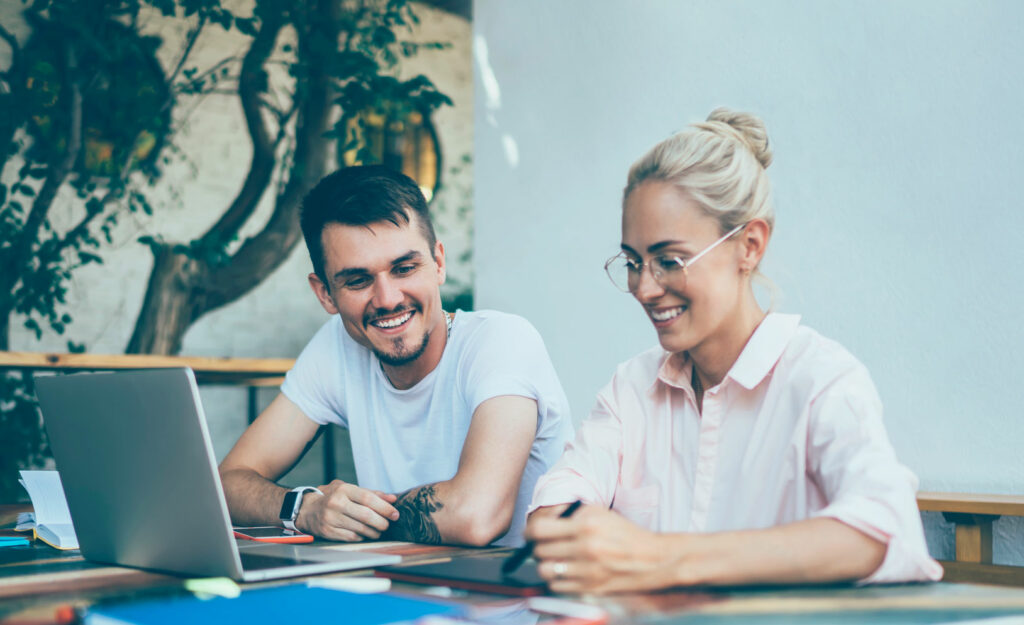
(481, 574)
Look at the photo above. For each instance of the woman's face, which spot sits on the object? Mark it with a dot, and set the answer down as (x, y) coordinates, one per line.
(660, 219)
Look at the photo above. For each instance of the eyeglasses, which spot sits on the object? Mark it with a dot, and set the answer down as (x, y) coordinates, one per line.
(668, 270)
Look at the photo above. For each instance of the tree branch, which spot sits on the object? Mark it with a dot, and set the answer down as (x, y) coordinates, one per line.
(114, 193)
(251, 82)
(264, 252)
(54, 179)
(12, 41)
(8, 123)
(193, 36)
(216, 66)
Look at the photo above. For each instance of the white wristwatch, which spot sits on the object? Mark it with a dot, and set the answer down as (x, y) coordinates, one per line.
(292, 503)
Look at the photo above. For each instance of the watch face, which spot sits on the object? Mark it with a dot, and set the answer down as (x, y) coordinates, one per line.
(288, 506)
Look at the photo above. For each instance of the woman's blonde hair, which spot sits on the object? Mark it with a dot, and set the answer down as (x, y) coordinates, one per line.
(720, 163)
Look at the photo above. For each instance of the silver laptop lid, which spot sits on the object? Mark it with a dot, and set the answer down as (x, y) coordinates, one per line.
(138, 469)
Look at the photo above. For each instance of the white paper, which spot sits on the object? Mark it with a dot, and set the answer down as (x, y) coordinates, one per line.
(50, 508)
(26, 521)
(47, 494)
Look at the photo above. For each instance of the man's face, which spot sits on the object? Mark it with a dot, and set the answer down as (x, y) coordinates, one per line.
(384, 281)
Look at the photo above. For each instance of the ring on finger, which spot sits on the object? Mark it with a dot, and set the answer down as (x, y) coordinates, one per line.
(559, 569)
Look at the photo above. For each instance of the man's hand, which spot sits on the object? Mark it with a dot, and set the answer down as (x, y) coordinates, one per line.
(346, 512)
(595, 551)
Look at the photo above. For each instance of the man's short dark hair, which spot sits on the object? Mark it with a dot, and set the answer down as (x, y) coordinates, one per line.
(360, 196)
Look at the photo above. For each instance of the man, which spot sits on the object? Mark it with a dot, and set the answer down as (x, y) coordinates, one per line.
(458, 413)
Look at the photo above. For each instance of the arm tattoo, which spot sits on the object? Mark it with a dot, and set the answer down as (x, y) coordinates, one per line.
(414, 521)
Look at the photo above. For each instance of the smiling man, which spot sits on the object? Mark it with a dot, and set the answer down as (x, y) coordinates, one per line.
(452, 416)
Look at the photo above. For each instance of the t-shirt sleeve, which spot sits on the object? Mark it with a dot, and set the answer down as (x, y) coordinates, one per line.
(506, 356)
(852, 460)
(314, 384)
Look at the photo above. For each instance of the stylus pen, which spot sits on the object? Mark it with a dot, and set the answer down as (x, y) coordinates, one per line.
(520, 555)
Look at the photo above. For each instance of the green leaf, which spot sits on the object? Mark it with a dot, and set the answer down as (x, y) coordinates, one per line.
(88, 257)
(31, 324)
(26, 190)
(246, 26)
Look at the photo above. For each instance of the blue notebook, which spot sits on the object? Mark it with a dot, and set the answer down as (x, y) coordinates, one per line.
(295, 603)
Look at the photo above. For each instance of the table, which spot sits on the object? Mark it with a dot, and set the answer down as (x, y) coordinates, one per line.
(64, 578)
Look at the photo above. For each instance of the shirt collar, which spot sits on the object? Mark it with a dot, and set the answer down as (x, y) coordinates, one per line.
(764, 349)
(759, 355)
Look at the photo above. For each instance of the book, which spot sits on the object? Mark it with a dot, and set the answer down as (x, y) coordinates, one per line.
(51, 517)
(294, 603)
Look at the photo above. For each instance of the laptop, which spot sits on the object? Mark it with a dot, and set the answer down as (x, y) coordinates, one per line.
(141, 480)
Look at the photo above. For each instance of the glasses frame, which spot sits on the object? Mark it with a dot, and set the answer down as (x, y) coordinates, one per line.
(658, 275)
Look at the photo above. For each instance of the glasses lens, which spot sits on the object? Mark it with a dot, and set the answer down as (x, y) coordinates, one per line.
(669, 271)
(618, 269)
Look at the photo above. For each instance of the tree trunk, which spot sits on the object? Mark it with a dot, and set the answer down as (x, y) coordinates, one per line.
(181, 289)
(5, 331)
(170, 306)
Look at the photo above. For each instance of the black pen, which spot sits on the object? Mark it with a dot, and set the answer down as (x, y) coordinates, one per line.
(520, 555)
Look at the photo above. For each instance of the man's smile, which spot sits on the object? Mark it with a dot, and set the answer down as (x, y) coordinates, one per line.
(392, 322)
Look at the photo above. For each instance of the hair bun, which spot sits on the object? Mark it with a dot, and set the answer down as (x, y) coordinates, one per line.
(748, 128)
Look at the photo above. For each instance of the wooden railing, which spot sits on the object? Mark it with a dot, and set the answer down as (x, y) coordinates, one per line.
(234, 371)
(973, 514)
(251, 373)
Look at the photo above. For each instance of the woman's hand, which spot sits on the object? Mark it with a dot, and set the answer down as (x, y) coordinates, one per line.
(599, 551)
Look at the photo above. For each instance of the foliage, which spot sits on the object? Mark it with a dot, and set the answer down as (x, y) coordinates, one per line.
(457, 293)
(22, 443)
(87, 112)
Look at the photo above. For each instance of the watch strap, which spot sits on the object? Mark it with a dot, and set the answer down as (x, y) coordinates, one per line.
(288, 517)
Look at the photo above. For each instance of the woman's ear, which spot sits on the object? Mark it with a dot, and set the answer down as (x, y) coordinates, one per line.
(753, 243)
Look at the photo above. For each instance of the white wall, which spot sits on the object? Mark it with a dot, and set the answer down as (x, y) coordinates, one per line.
(898, 136)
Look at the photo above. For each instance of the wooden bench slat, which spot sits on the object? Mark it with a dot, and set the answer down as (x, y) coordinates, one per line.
(974, 573)
(206, 368)
(971, 503)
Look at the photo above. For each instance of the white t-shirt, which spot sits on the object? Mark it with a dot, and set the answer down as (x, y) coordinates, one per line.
(406, 438)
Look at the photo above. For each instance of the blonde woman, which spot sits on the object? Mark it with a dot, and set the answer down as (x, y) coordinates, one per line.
(746, 448)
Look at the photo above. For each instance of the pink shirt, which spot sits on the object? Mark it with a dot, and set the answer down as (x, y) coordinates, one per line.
(794, 431)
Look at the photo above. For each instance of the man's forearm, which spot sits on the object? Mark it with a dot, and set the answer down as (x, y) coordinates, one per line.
(448, 512)
(809, 551)
(252, 499)
(416, 510)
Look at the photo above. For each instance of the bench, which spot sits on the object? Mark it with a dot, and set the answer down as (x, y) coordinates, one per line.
(973, 514)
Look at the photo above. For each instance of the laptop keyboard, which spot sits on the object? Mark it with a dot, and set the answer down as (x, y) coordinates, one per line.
(255, 562)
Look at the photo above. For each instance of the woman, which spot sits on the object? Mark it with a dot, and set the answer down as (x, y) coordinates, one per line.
(746, 448)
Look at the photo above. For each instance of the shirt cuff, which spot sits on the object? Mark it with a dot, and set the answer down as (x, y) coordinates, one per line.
(555, 490)
(906, 557)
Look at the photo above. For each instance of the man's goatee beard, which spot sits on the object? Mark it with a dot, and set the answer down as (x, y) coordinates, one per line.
(400, 356)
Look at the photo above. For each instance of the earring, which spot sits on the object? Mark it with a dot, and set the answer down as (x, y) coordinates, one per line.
(745, 271)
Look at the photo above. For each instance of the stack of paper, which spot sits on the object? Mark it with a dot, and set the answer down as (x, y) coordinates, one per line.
(50, 509)
(26, 520)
